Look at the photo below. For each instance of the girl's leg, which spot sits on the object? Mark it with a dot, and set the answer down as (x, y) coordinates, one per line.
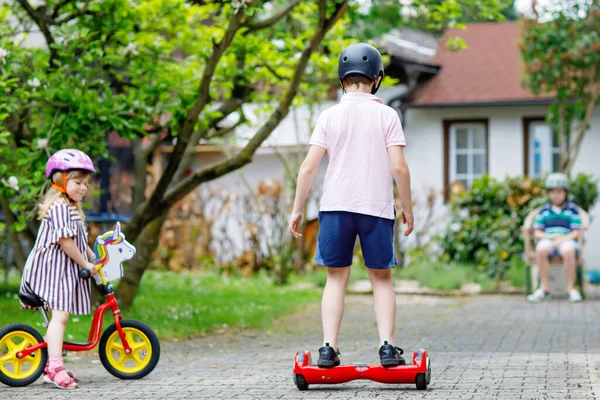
(54, 338)
(332, 305)
(56, 332)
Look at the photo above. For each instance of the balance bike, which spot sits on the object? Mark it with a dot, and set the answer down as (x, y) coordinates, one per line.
(128, 349)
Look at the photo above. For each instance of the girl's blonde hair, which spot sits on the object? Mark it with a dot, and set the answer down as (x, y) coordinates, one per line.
(52, 195)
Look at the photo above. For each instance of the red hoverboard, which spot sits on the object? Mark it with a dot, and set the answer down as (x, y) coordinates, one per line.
(419, 372)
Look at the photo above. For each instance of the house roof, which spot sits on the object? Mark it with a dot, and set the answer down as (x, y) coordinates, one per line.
(487, 72)
(409, 45)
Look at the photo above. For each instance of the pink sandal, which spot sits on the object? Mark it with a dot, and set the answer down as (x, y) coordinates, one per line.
(47, 379)
(67, 381)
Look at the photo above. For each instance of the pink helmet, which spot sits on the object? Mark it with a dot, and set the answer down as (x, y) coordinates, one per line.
(66, 159)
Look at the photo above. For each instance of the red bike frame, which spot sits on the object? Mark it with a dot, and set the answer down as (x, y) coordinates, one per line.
(95, 331)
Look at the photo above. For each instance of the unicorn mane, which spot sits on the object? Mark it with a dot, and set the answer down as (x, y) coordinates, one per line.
(100, 247)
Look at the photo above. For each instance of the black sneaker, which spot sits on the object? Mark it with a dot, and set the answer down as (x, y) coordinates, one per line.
(328, 357)
(391, 356)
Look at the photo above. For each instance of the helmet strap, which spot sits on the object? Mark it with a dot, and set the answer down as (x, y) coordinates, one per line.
(375, 87)
(63, 188)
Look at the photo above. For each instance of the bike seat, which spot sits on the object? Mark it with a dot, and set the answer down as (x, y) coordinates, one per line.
(31, 300)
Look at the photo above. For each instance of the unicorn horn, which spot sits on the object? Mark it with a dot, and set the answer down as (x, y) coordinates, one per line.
(117, 231)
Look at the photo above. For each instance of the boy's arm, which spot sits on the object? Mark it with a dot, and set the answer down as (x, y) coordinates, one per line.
(573, 235)
(402, 177)
(540, 234)
(306, 176)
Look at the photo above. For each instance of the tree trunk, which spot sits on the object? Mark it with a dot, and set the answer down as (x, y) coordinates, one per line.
(562, 137)
(574, 147)
(13, 237)
(139, 160)
(134, 270)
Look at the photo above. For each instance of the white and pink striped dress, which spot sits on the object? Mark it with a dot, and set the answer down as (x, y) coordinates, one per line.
(49, 272)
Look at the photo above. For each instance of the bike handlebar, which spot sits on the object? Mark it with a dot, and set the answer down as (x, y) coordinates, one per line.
(85, 273)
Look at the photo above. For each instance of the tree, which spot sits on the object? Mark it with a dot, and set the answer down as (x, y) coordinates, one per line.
(150, 68)
(562, 57)
(123, 65)
(376, 17)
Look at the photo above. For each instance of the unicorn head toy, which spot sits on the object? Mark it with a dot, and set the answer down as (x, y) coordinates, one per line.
(111, 249)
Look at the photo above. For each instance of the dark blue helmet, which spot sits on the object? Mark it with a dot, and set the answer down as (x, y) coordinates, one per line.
(361, 58)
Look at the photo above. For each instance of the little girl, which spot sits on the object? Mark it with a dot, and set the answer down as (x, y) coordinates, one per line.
(61, 249)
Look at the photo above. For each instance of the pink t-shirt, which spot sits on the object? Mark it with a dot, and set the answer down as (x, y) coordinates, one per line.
(356, 133)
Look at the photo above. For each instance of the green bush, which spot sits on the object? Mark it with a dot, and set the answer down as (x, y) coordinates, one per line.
(485, 221)
(584, 191)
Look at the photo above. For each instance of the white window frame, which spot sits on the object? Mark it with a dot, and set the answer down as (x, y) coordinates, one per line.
(531, 149)
(469, 176)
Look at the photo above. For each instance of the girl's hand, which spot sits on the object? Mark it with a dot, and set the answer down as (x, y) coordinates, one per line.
(294, 223)
(92, 268)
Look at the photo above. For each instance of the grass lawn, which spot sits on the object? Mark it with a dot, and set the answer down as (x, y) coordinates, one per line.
(182, 305)
(436, 275)
(431, 274)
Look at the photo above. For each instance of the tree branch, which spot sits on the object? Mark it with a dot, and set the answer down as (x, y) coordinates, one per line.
(226, 109)
(41, 20)
(582, 129)
(274, 73)
(225, 131)
(273, 19)
(75, 14)
(58, 8)
(322, 12)
(239, 95)
(333, 80)
(9, 34)
(140, 157)
(245, 155)
(148, 210)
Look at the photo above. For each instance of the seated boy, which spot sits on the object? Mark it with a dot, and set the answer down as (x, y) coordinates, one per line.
(557, 228)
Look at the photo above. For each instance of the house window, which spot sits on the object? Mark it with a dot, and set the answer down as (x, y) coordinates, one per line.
(543, 153)
(467, 145)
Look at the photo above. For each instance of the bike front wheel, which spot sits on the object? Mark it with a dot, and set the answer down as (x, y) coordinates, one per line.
(144, 355)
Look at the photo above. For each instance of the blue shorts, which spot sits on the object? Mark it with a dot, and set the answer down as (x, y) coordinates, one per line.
(556, 252)
(337, 236)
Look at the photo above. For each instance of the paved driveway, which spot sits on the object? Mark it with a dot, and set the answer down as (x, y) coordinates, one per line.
(491, 347)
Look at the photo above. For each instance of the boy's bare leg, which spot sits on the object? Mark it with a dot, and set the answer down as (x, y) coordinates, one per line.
(332, 305)
(542, 254)
(570, 260)
(384, 303)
